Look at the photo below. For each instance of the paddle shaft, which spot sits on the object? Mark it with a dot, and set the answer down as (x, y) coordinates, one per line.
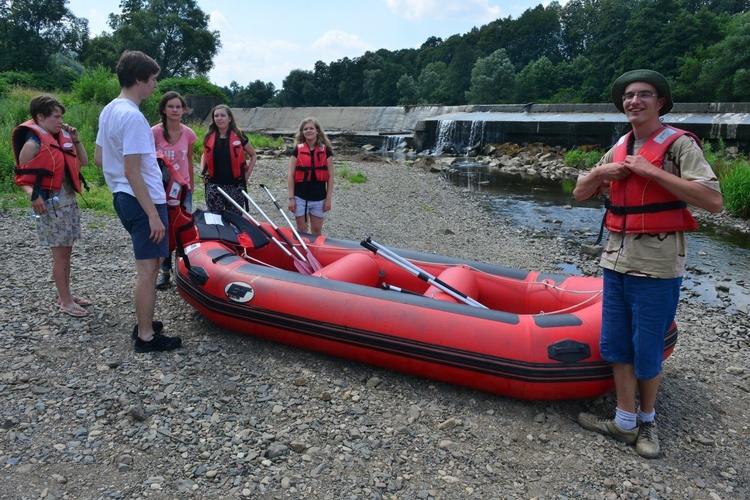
(275, 227)
(375, 247)
(257, 224)
(296, 234)
(310, 257)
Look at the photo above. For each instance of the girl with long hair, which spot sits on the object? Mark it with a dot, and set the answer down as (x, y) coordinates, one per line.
(310, 181)
(227, 162)
(175, 141)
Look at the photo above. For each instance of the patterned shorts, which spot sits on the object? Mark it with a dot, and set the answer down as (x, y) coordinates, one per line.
(215, 201)
(59, 227)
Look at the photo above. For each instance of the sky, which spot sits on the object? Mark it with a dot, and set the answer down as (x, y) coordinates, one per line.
(263, 40)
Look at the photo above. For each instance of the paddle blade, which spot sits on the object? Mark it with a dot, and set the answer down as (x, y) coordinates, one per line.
(313, 261)
(303, 267)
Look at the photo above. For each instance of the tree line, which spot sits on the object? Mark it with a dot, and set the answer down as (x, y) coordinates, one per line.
(557, 54)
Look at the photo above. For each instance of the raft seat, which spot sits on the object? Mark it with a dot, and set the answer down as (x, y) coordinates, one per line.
(459, 277)
(357, 267)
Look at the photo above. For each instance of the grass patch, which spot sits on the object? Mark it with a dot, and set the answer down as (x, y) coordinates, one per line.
(582, 159)
(355, 178)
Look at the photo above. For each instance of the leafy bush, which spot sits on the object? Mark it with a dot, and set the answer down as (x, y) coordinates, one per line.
(14, 109)
(191, 86)
(98, 86)
(735, 187)
(60, 77)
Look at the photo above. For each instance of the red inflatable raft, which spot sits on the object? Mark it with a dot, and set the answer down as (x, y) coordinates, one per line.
(516, 333)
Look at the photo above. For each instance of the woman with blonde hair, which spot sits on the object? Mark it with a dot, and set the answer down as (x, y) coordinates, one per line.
(310, 181)
(223, 163)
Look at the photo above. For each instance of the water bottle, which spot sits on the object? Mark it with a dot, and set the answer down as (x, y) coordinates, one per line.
(51, 206)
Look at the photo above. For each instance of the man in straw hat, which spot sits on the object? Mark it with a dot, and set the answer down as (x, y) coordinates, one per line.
(650, 176)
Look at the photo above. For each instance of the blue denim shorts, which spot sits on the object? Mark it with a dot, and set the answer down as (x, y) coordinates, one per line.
(135, 221)
(637, 312)
(314, 208)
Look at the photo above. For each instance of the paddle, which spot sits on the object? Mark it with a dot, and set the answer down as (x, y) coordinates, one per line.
(310, 257)
(302, 267)
(386, 286)
(278, 231)
(376, 247)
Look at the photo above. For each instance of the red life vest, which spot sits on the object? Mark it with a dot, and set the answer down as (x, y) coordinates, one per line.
(177, 189)
(236, 154)
(47, 169)
(639, 205)
(308, 162)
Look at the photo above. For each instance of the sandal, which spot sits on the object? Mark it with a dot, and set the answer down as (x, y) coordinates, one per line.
(82, 302)
(78, 300)
(76, 311)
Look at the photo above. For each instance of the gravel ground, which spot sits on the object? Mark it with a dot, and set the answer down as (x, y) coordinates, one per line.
(231, 416)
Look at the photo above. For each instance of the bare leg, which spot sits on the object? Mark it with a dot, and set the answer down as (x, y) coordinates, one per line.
(61, 275)
(302, 224)
(145, 295)
(316, 225)
(625, 385)
(648, 390)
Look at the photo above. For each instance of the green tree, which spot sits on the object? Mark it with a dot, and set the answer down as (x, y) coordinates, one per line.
(724, 69)
(255, 95)
(492, 79)
(659, 30)
(431, 83)
(458, 77)
(102, 51)
(577, 19)
(408, 91)
(535, 34)
(174, 32)
(604, 43)
(537, 81)
(299, 89)
(33, 31)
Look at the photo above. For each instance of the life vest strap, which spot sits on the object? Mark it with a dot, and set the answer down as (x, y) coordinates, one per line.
(644, 209)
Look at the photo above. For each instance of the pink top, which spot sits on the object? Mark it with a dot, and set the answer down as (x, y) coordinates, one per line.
(179, 153)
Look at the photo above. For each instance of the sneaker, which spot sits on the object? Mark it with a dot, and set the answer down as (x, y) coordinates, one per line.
(158, 326)
(647, 445)
(158, 343)
(608, 427)
(162, 282)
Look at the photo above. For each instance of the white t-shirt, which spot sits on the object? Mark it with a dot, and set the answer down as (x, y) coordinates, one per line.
(123, 130)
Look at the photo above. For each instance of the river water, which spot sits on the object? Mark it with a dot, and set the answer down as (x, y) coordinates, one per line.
(718, 269)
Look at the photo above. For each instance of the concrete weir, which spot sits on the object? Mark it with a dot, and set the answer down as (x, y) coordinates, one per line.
(461, 129)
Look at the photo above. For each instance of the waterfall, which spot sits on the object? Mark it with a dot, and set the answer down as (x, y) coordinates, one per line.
(476, 135)
(394, 142)
(458, 136)
(445, 132)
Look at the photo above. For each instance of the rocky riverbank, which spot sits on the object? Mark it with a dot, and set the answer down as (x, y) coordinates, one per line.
(231, 416)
